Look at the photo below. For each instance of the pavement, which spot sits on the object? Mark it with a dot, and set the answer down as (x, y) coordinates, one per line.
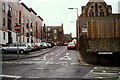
(14, 56)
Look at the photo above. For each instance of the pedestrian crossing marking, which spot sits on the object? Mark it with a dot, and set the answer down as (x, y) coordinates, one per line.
(102, 73)
(10, 76)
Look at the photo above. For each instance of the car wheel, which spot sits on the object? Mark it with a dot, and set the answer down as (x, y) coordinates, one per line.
(3, 51)
(21, 51)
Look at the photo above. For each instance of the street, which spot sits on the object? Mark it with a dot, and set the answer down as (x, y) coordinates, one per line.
(57, 64)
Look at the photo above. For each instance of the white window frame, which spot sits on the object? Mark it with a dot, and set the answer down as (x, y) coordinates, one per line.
(55, 31)
(3, 22)
(4, 35)
(55, 37)
(3, 7)
(49, 29)
(48, 34)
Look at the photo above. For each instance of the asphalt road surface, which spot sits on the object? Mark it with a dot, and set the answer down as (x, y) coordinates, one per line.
(59, 64)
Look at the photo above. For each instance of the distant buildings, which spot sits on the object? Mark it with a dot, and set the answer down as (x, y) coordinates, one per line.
(55, 34)
(67, 38)
(31, 24)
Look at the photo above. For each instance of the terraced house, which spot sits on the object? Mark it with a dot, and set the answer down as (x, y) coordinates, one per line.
(8, 17)
(30, 23)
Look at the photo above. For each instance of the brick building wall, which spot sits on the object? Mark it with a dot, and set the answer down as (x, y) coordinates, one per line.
(9, 16)
(55, 34)
(15, 12)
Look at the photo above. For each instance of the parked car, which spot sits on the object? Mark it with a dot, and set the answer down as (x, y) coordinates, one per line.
(21, 47)
(36, 46)
(39, 45)
(51, 42)
(71, 45)
(44, 45)
(49, 45)
(32, 46)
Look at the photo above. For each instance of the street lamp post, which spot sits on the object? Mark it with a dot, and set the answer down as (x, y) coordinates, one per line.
(77, 27)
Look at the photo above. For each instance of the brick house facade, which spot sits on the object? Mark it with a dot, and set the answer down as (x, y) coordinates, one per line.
(8, 16)
(16, 12)
(55, 34)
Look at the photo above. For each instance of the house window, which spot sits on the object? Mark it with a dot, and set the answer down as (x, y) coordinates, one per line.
(101, 13)
(55, 31)
(27, 23)
(23, 20)
(91, 14)
(27, 39)
(23, 39)
(3, 21)
(9, 8)
(3, 7)
(48, 34)
(31, 23)
(9, 11)
(4, 35)
(23, 31)
(84, 28)
(49, 29)
(96, 9)
(16, 15)
(55, 37)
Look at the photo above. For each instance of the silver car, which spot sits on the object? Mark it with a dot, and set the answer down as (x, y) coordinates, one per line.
(21, 47)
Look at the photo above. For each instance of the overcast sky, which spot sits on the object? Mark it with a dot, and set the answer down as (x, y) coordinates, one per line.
(56, 12)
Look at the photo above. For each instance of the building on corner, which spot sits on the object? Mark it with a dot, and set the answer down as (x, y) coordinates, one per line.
(55, 34)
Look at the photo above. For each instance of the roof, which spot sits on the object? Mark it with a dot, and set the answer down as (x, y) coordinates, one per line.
(40, 18)
(54, 27)
(33, 11)
(25, 6)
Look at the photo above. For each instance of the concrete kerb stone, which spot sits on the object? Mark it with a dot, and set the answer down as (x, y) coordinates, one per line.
(82, 62)
(32, 56)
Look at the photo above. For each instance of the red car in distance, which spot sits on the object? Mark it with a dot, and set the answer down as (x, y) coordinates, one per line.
(71, 45)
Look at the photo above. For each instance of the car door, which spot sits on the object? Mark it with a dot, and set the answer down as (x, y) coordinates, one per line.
(10, 48)
(16, 47)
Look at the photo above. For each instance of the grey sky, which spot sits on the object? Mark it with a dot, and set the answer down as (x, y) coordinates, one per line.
(56, 12)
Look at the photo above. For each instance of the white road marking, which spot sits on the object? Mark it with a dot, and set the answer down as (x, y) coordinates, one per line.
(91, 71)
(67, 54)
(39, 68)
(22, 62)
(32, 77)
(49, 60)
(74, 63)
(52, 53)
(60, 52)
(101, 75)
(10, 76)
(66, 58)
(104, 71)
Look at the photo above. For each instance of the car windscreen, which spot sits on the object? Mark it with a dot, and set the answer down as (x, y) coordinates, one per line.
(71, 44)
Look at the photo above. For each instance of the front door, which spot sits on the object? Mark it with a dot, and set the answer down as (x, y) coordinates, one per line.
(9, 37)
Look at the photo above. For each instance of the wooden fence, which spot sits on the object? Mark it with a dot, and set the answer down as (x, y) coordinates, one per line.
(103, 29)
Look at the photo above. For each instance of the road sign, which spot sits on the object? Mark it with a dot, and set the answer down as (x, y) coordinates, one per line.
(17, 27)
(105, 53)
